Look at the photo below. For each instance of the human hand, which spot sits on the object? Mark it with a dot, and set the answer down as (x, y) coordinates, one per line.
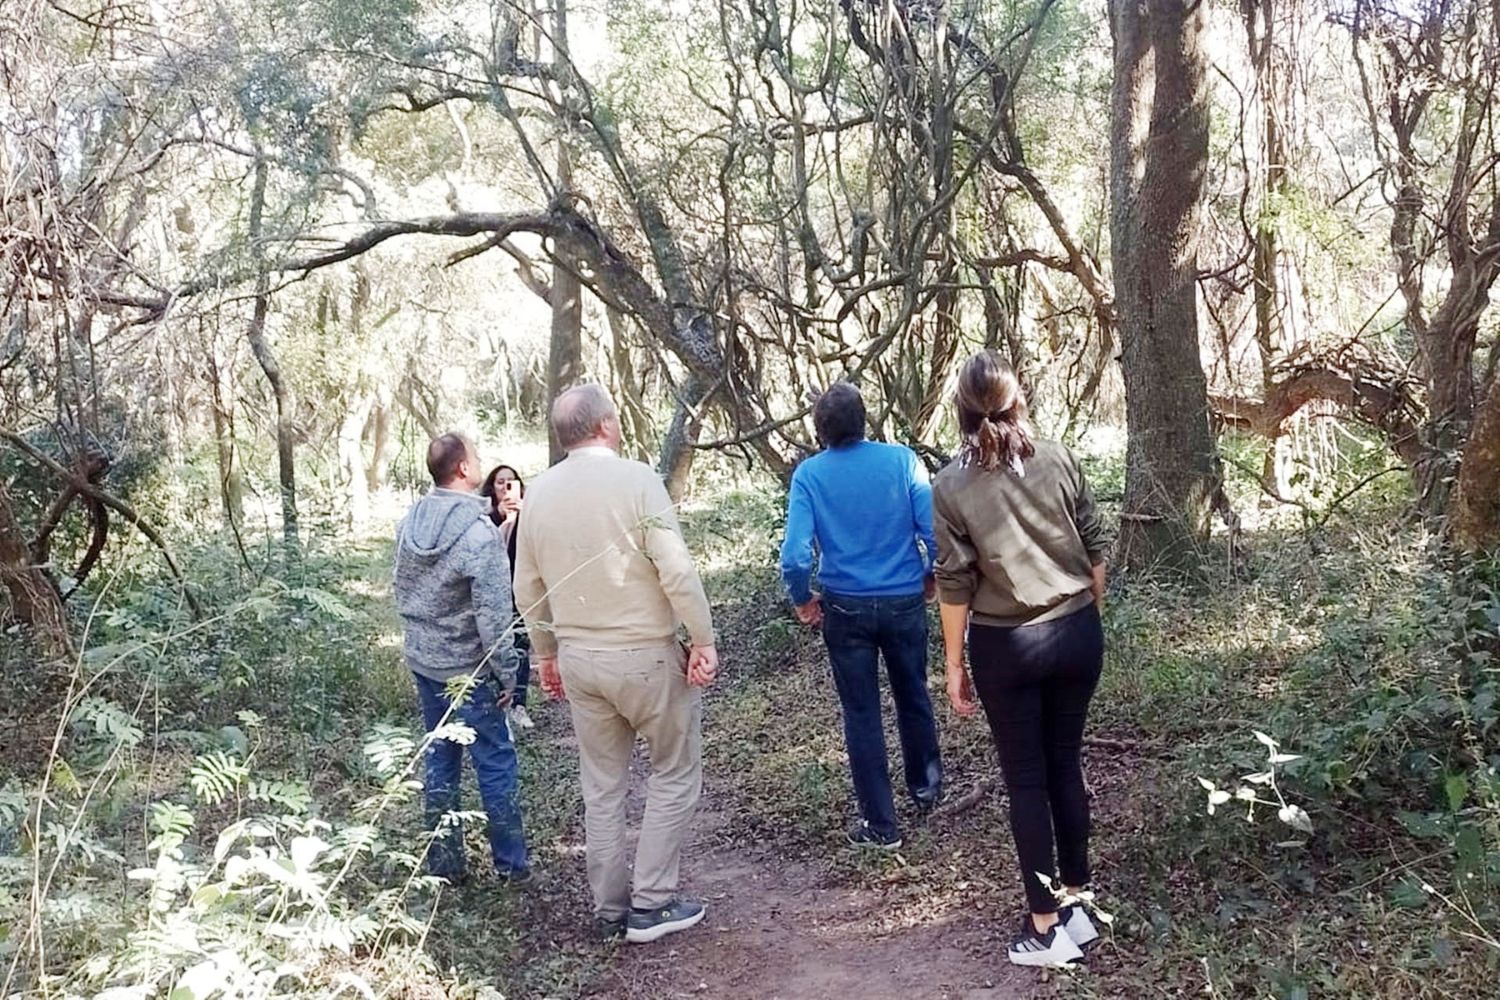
(961, 690)
(811, 613)
(929, 589)
(551, 677)
(507, 695)
(702, 665)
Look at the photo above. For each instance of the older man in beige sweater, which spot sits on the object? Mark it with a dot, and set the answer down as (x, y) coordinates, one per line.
(604, 578)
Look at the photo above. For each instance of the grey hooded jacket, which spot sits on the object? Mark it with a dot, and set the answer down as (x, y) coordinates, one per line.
(453, 589)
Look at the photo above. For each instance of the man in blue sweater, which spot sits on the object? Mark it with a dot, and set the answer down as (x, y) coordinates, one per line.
(862, 511)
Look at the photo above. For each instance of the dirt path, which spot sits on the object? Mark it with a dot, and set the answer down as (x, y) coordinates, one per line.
(783, 929)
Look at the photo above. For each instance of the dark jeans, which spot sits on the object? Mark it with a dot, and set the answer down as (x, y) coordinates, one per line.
(494, 758)
(1035, 682)
(860, 630)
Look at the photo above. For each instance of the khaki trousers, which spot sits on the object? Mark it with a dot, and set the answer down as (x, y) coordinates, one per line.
(614, 695)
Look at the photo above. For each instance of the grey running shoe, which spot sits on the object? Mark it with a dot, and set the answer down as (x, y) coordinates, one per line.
(678, 915)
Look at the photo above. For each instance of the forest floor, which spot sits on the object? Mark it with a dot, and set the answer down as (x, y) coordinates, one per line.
(790, 919)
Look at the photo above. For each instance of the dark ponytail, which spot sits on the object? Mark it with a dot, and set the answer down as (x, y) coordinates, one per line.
(992, 414)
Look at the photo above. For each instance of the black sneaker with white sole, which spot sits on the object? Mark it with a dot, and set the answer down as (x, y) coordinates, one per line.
(643, 927)
(1078, 925)
(1051, 948)
(864, 835)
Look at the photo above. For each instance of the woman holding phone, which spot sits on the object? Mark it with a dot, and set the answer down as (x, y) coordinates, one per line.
(506, 491)
(1020, 574)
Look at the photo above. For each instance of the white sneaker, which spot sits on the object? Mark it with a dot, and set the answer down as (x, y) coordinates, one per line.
(519, 718)
(1078, 925)
(1051, 948)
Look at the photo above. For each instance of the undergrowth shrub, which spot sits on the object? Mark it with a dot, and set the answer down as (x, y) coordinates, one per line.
(164, 843)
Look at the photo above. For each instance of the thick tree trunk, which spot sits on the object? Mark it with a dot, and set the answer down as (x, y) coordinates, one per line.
(1476, 505)
(33, 598)
(1159, 160)
(351, 435)
(286, 463)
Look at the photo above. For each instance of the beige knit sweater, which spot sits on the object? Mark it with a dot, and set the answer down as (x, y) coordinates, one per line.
(600, 560)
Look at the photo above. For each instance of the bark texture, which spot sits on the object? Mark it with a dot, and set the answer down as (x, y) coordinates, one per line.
(1159, 160)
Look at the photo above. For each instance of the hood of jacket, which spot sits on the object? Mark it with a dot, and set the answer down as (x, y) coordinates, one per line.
(437, 521)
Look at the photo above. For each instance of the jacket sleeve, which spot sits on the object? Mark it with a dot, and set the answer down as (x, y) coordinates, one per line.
(797, 547)
(1086, 514)
(531, 593)
(920, 488)
(957, 568)
(662, 542)
(489, 589)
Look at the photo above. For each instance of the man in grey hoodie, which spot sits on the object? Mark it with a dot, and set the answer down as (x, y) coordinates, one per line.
(453, 592)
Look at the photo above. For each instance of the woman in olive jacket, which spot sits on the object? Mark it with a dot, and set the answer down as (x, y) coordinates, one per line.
(1021, 569)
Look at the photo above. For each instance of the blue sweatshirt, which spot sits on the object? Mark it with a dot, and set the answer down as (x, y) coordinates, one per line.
(866, 506)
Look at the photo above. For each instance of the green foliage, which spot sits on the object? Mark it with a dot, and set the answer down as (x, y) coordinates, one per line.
(1370, 656)
(216, 776)
(108, 722)
(249, 904)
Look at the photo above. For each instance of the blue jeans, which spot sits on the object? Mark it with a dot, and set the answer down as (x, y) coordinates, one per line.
(494, 757)
(859, 631)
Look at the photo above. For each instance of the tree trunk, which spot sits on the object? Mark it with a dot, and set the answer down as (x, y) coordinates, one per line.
(231, 483)
(286, 467)
(33, 598)
(1260, 26)
(352, 460)
(256, 334)
(1159, 140)
(679, 445)
(1447, 352)
(1476, 505)
(565, 350)
(379, 430)
(634, 415)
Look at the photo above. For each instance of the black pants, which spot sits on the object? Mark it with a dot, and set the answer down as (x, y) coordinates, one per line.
(1035, 682)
